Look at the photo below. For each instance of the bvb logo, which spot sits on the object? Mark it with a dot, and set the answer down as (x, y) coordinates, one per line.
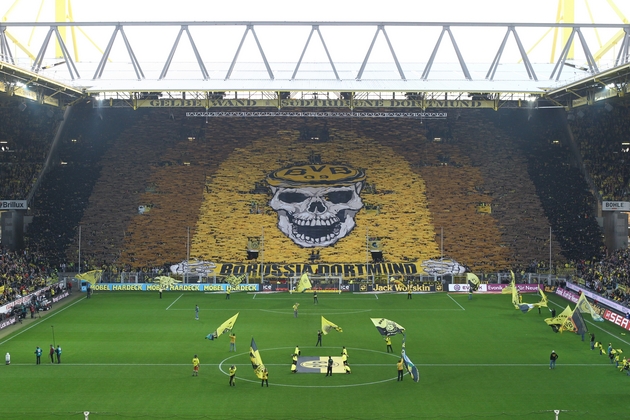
(316, 364)
(363, 288)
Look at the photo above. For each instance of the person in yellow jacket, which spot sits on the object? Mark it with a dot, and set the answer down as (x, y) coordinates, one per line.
(400, 366)
(294, 363)
(265, 378)
(195, 362)
(388, 342)
(232, 375)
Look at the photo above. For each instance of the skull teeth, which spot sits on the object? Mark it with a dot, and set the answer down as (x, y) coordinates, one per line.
(315, 222)
(306, 238)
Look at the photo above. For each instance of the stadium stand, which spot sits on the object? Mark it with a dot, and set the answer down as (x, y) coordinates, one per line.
(600, 132)
(140, 183)
(26, 135)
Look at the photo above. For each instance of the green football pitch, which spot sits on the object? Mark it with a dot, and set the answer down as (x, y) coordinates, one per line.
(128, 355)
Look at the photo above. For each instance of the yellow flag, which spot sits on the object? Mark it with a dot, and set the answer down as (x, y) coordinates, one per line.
(91, 276)
(223, 328)
(327, 326)
(303, 284)
(543, 300)
(561, 318)
(254, 357)
(585, 307)
(473, 281)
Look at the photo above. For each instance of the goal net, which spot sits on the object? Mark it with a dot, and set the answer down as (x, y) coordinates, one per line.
(320, 283)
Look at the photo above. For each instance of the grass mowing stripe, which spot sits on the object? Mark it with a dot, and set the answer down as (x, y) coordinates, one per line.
(124, 355)
(46, 318)
(389, 365)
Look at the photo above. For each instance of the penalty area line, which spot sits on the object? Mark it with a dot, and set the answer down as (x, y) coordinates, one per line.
(174, 301)
(455, 302)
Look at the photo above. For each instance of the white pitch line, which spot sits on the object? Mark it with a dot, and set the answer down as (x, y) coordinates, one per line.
(376, 296)
(254, 296)
(174, 301)
(45, 319)
(455, 302)
(353, 364)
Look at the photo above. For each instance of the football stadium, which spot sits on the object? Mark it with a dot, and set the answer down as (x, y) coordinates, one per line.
(257, 212)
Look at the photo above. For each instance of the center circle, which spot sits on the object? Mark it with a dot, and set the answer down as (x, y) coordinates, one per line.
(224, 361)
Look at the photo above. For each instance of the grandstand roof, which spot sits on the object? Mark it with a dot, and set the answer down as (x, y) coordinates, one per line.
(209, 60)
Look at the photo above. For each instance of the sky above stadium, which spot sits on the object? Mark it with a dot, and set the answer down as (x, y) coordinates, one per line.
(321, 10)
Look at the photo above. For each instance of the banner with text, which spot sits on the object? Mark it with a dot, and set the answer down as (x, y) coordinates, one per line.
(616, 205)
(312, 103)
(495, 288)
(345, 270)
(617, 319)
(13, 205)
(180, 287)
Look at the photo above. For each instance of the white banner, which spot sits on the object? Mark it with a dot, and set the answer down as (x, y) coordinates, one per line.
(12, 204)
(616, 205)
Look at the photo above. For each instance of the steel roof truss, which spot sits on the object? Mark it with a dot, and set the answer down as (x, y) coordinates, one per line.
(495, 63)
(622, 56)
(427, 69)
(202, 66)
(592, 65)
(5, 50)
(297, 66)
(315, 28)
(238, 50)
(563, 57)
(37, 64)
(462, 63)
(169, 60)
(391, 49)
(565, 52)
(132, 56)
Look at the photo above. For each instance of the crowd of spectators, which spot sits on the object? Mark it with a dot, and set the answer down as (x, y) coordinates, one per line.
(561, 187)
(601, 131)
(609, 276)
(549, 163)
(22, 272)
(61, 198)
(26, 134)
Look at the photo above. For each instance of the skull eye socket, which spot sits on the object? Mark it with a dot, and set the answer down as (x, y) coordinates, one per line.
(292, 197)
(337, 197)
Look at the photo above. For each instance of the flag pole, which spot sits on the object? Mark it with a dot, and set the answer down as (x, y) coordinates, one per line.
(53, 334)
(549, 255)
(262, 257)
(187, 254)
(79, 268)
(367, 255)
